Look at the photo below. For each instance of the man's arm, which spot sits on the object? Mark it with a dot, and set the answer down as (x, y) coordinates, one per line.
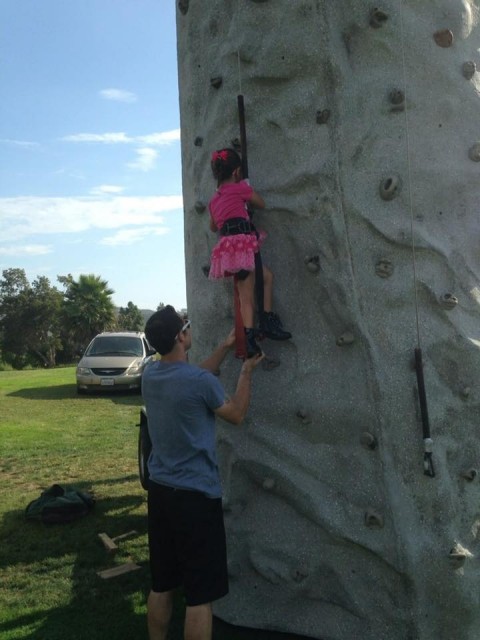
(213, 362)
(235, 409)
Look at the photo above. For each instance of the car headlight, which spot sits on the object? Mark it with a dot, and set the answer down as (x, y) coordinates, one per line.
(135, 369)
(83, 371)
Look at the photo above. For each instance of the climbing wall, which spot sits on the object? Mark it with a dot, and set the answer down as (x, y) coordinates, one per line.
(363, 139)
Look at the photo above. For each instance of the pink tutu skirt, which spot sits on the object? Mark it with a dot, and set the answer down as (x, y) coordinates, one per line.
(234, 253)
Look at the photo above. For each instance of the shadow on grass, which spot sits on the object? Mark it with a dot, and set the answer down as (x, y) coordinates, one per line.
(39, 559)
(66, 391)
(59, 563)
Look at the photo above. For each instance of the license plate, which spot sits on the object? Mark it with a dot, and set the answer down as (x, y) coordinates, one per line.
(107, 382)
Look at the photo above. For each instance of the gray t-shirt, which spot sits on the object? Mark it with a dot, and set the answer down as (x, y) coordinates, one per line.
(180, 399)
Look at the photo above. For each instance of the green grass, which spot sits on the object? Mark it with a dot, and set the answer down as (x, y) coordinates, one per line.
(49, 587)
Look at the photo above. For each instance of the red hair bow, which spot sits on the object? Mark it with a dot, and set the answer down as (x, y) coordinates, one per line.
(222, 155)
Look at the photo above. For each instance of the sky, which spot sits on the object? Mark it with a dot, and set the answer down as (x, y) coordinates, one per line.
(90, 166)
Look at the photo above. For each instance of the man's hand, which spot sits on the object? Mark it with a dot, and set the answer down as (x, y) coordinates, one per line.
(229, 342)
(235, 409)
(250, 363)
(215, 360)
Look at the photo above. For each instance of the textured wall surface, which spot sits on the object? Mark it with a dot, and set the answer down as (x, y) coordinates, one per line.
(332, 533)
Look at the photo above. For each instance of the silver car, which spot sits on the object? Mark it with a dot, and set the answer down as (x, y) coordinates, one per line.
(113, 361)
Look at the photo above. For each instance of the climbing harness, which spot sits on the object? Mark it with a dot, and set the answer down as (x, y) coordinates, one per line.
(235, 226)
(428, 468)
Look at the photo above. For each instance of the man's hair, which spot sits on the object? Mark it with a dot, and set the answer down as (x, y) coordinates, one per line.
(162, 328)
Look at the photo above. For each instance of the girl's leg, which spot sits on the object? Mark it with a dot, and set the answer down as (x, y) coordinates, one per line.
(270, 323)
(267, 289)
(245, 293)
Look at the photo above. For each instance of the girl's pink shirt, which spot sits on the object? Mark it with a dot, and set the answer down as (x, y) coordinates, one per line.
(230, 201)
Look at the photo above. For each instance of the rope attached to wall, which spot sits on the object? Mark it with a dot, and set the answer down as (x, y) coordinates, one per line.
(428, 468)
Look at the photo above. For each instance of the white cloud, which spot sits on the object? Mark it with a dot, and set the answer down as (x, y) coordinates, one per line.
(107, 138)
(19, 143)
(26, 250)
(145, 159)
(118, 95)
(130, 236)
(165, 137)
(106, 189)
(23, 217)
(120, 137)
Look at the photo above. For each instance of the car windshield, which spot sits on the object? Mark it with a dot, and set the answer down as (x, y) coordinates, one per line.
(115, 346)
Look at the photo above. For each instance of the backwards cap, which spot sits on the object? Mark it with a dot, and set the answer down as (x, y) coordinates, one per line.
(162, 328)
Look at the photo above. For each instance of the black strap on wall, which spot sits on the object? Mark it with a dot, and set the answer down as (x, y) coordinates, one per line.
(258, 258)
(428, 469)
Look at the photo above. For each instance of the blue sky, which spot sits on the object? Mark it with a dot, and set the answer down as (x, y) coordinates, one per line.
(90, 168)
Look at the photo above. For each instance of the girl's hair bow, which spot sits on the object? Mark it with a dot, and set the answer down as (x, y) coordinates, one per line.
(220, 155)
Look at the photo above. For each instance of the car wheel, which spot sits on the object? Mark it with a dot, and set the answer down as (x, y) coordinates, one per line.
(144, 448)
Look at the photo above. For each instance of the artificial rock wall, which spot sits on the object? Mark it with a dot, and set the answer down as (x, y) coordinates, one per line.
(363, 128)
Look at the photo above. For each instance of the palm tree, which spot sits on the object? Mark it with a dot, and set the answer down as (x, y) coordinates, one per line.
(88, 307)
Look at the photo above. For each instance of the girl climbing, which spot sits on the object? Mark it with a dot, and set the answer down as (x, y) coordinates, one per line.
(234, 253)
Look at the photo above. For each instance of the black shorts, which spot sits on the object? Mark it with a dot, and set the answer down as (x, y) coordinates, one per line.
(186, 537)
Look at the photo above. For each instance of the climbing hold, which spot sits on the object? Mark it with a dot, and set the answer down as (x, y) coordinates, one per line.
(183, 6)
(397, 99)
(449, 301)
(236, 144)
(313, 263)
(469, 474)
(304, 417)
(458, 554)
(298, 575)
(390, 188)
(368, 440)
(377, 18)
(345, 339)
(396, 96)
(474, 152)
(206, 270)
(384, 268)
(323, 116)
(216, 82)
(199, 207)
(198, 141)
(465, 392)
(469, 69)
(268, 484)
(373, 519)
(443, 38)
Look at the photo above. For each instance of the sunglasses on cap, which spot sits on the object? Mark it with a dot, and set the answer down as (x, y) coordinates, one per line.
(184, 328)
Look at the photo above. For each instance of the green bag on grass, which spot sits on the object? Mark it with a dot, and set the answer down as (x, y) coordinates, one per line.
(58, 505)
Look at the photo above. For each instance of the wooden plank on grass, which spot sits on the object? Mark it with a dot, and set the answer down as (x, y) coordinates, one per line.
(108, 543)
(118, 571)
(133, 532)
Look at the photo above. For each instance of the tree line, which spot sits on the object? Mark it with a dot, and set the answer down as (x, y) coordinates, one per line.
(42, 325)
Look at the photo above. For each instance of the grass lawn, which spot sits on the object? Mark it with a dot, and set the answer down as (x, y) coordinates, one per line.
(49, 587)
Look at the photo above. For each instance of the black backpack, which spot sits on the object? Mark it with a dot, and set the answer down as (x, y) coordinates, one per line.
(57, 505)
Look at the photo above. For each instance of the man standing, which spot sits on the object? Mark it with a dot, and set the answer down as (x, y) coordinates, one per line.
(185, 518)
